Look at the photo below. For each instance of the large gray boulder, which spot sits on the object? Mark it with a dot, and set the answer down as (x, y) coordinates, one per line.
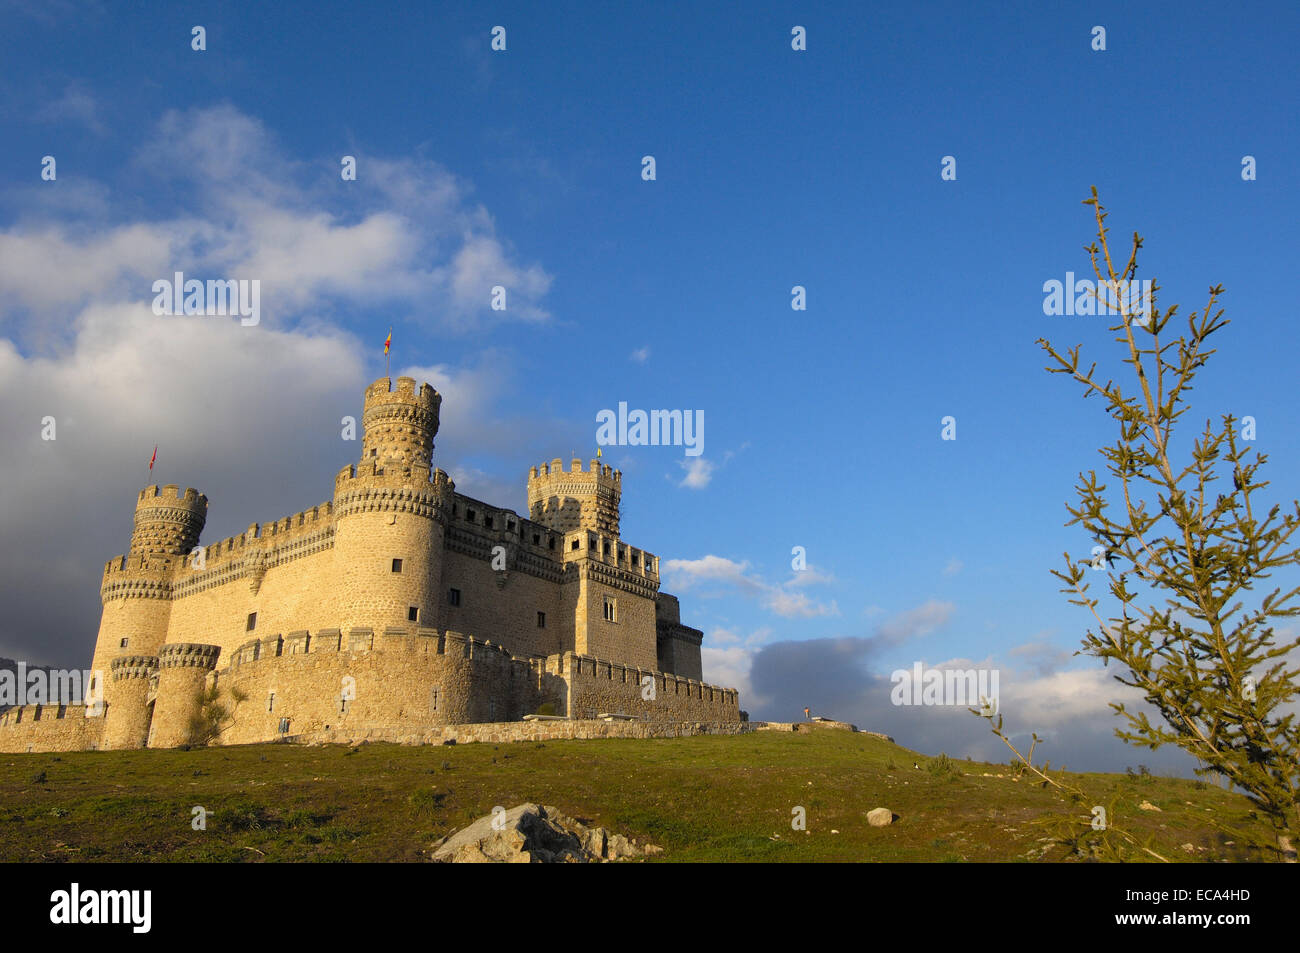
(535, 834)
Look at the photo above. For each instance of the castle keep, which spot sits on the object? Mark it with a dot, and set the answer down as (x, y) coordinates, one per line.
(394, 610)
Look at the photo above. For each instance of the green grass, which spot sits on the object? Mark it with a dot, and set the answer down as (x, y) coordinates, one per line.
(706, 798)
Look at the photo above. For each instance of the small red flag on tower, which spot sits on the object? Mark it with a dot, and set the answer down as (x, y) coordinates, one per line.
(153, 458)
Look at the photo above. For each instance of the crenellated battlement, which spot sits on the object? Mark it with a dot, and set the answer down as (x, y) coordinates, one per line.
(556, 469)
(81, 727)
(171, 495)
(304, 523)
(280, 534)
(383, 392)
(420, 640)
(611, 551)
(366, 487)
(261, 546)
(566, 500)
(574, 665)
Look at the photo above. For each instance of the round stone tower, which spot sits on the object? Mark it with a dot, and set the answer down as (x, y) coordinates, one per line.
(567, 500)
(183, 669)
(136, 588)
(126, 720)
(400, 425)
(390, 513)
(168, 522)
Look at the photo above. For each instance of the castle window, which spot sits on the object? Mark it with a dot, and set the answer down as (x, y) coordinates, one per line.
(487, 521)
(270, 702)
(634, 558)
(453, 597)
(284, 726)
(343, 706)
(124, 641)
(397, 565)
(433, 700)
(576, 542)
(649, 564)
(537, 539)
(252, 622)
(611, 609)
(413, 614)
(469, 515)
(454, 509)
(541, 620)
(550, 543)
(510, 525)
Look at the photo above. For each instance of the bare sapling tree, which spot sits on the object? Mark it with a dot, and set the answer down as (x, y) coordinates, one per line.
(1188, 543)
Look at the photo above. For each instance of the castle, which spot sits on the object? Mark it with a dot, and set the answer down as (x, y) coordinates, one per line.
(394, 611)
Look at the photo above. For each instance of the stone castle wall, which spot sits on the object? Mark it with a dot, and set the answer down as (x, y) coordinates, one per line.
(358, 682)
(599, 687)
(50, 728)
(403, 682)
(507, 732)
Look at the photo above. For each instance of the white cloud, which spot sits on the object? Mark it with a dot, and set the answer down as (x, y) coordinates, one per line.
(727, 656)
(729, 667)
(52, 270)
(641, 355)
(685, 574)
(404, 235)
(699, 473)
(75, 105)
(917, 622)
(812, 576)
(791, 604)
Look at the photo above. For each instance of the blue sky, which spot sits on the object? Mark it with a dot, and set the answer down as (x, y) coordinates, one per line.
(775, 168)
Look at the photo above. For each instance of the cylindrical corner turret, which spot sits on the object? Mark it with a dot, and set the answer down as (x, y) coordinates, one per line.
(136, 589)
(183, 669)
(168, 522)
(127, 715)
(399, 424)
(390, 512)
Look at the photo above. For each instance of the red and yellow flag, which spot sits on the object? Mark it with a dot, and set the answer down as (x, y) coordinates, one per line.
(389, 342)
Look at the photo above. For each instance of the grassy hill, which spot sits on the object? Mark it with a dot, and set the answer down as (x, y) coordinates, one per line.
(703, 799)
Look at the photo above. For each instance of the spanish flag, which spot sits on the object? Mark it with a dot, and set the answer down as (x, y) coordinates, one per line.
(153, 458)
(389, 341)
